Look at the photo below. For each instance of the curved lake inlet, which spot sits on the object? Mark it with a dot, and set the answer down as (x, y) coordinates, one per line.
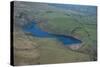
(35, 30)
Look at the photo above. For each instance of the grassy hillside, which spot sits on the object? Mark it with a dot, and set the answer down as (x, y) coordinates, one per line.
(29, 49)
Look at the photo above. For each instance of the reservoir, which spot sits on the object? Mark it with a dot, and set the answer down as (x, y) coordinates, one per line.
(36, 31)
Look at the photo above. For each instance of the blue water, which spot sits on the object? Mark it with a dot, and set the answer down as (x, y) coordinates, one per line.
(35, 30)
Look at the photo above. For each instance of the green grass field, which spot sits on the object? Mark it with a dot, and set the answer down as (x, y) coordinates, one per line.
(33, 50)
